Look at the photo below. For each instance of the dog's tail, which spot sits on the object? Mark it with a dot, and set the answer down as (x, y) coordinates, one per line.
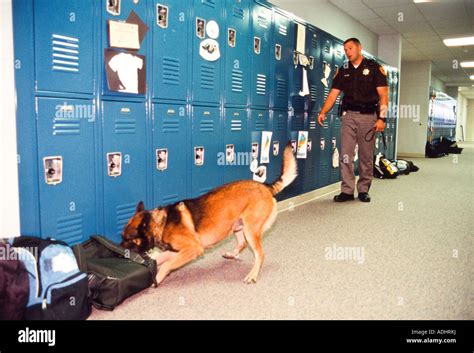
(289, 171)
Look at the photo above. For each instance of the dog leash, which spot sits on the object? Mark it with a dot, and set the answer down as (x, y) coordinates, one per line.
(373, 135)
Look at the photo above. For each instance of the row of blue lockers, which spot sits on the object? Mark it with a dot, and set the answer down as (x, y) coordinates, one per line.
(442, 116)
(88, 154)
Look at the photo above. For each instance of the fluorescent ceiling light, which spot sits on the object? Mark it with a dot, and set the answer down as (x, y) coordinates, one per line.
(471, 77)
(457, 42)
(467, 64)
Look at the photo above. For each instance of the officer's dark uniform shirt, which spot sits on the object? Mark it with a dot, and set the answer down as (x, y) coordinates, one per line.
(360, 84)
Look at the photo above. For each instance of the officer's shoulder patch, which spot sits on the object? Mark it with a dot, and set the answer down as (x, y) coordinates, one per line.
(382, 70)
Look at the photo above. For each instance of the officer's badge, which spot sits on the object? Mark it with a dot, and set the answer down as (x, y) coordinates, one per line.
(382, 70)
(365, 72)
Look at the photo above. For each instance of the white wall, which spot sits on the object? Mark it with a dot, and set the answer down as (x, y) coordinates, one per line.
(415, 77)
(9, 203)
(462, 106)
(469, 131)
(390, 49)
(331, 19)
(438, 84)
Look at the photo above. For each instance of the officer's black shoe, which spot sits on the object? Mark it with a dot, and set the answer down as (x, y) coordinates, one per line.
(343, 197)
(364, 196)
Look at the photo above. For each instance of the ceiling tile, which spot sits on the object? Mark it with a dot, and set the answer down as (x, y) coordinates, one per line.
(405, 13)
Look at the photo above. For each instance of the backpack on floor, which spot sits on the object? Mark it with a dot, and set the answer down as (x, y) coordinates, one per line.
(115, 273)
(384, 168)
(58, 289)
(14, 284)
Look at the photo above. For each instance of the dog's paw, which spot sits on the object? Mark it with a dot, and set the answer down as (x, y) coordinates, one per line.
(230, 256)
(250, 279)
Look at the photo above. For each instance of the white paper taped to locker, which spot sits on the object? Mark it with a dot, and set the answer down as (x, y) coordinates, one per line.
(209, 50)
(266, 143)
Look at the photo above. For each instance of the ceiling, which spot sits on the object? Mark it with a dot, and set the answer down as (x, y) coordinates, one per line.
(422, 26)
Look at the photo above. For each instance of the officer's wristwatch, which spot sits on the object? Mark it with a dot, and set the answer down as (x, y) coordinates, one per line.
(383, 119)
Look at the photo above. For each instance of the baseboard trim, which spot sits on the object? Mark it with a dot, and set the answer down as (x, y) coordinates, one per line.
(410, 155)
(291, 203)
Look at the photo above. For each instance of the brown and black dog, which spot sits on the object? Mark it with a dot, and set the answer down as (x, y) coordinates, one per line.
(183, 230)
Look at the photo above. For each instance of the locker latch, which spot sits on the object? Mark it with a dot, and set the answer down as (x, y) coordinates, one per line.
(256, 45)
(114, 164)
(310, 145)
(113, 7)
(200, 28)
(278, 51)
(162, 159)
(276, 148)
(295, 58)
(229, 154)
(255, 150)
(53, 170)
(231, 37)
(162, 15)
(199, 156)
(311, 62)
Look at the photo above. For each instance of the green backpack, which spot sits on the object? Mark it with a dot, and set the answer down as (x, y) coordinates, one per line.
(114, 273)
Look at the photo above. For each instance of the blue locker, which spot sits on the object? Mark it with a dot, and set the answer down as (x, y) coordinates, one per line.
(311, 172)
(207, 29)
(206, 143)
(237, 46)
(170, 126)
(338, 62)
(259, 121)
(327, 65)
(123, 162)
(282, 60)
(121, 14)
(64, 45)
(170, 59)
(313, 45)
(335, 133)
(296, 124)
(66, 168)
(260, 43)
(324, 145)
(279, 128)
(297, 102)
(236, 145)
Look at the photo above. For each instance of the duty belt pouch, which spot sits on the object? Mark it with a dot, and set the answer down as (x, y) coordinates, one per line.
(114, 273)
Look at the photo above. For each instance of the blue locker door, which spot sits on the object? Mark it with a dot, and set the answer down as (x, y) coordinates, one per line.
(64, 45)
(170, 38)
(66, 168)
(207, 29)
(125, 9)
(338, 62)
(236, 145)
(296, 124)
(279, 128)
(327, 65)
(123, 163)
(324, 146)
(170, 125)
(313, 44)
(282, 56)
(237, 41)
(310, 176)
(296, 75)
(335, 131)
(206, 173)
(259, 121)
(260, 42)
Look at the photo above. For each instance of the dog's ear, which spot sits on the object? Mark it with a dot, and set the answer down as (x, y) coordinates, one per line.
(140, 207)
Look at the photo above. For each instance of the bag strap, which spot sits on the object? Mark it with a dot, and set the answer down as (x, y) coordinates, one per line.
(130, 255)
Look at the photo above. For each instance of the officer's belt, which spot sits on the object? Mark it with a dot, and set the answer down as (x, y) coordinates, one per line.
(361, 108)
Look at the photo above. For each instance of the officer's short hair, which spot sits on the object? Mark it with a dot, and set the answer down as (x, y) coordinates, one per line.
(355, 40)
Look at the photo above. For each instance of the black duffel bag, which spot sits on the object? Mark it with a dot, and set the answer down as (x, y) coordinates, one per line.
(115, 273)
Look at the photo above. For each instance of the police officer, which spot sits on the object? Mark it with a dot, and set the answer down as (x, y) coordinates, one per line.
(364, 111)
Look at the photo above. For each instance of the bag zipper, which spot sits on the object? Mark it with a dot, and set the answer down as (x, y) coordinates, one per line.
(71, 279)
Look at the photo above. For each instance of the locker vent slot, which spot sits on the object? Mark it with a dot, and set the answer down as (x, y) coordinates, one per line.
(297, 124)
(259, 125)
(206, 125)
(70, 228)
(238, 12)
(282, 88)
(314, 93)
(314, 41)
(125, 126)
(281, 125)
(339, 53)
(262, 21)
(237, 81)
(282, 30)
(261, 84)
(124, 213)
(65, 53)
(327, 48)
(66, 127)
(236, 125)
(207, 77)
(312, 125)
(171, 71)
(170, 126)
(211, 3)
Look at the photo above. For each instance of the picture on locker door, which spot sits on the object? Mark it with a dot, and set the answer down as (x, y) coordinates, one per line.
(185, 229)
(53, 170)
(162, 159)
(199, 156)
(114, 164)
(126, 71)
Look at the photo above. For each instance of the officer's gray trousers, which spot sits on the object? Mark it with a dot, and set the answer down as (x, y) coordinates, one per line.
(354, 129)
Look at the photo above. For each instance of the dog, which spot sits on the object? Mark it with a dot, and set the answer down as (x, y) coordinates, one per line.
(183, 230)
